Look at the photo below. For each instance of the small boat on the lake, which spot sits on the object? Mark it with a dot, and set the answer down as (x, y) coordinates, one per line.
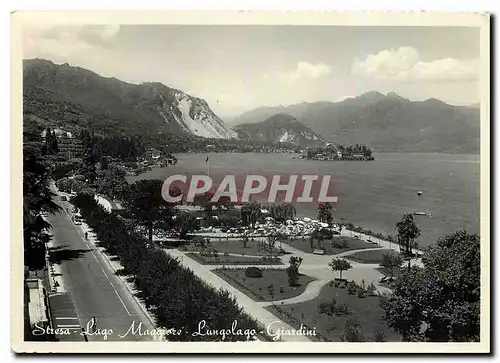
(422, 214)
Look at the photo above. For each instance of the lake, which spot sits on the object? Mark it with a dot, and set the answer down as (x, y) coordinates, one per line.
(374, 194)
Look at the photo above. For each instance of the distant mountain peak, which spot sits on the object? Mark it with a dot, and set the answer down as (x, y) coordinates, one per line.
(82, 96)
(280, 127)
(371, 96)
(386, 123)
(395, 96)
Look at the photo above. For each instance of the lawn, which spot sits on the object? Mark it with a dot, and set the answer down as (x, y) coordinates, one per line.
(232, 246)
(374, 256)
(366, 310)
(231, 260)
(257, 288)
(351, 244)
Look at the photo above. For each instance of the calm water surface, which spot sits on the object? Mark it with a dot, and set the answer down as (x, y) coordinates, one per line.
(371, 194)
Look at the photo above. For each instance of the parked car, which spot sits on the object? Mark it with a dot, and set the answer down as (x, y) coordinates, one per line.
(77, 221)
(75, 210)
(64, 198)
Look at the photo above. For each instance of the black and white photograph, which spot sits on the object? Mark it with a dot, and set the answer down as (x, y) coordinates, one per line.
(265, 182)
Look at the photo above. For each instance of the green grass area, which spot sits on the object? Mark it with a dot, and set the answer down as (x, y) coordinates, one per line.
(366, 310)
(257, 288)
(253, 248)
(374, 256)
(329, 245)
(231, 260)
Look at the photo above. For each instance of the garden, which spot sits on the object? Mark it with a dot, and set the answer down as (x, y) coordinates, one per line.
(264, 284)
(332, 246)
(221, 259)
(344, 311)
(372, 256)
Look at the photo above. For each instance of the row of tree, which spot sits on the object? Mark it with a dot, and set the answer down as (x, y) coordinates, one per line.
(438, 302)
(38, 161)
(177, 298)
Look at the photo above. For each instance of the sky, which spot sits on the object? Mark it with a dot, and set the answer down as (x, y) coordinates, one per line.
(239, 68)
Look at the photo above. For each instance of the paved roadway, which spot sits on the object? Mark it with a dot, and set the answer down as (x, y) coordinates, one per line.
(95, 290)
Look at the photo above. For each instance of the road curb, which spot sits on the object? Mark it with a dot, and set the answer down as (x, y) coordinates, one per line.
(143, 309)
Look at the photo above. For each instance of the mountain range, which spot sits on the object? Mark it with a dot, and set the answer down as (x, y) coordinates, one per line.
(72, 96)
(385, 123)
(278, 128)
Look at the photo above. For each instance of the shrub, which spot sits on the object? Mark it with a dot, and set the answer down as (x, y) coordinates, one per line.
(379, 336)
(361, 293)
(351, 331)
(371, 290)
(343, 309)
(253, 271)
(339, 243)
(336, 283)
(352, 287)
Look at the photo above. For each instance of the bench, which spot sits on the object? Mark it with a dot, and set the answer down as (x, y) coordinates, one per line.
(319, 252)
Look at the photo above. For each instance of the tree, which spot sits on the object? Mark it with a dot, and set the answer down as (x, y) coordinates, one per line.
(37, 197)
(293, 270)
(185, 223)
(321, 234)
(390, 262)
(112, 182)
(407, 233)
(250, 213)
(282, 212)
(339, 264)
(245, 241)
(205, 201)
(439, 302)
(325, 213)
(148, 207)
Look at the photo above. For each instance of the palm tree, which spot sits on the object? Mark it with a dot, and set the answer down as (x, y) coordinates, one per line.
(408, 232)
(325, 213)
(250, 213)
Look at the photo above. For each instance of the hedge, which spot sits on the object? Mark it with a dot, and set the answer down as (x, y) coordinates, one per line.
(175, 296)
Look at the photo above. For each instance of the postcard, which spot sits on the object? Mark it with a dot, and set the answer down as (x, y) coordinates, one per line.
(217, 182)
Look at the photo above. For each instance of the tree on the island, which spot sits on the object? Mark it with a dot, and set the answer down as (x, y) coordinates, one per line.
(293, 270)
(339, 264)
(147, 206)
(439, 302)
(325, 211)
(390, 262)
(408, 232)
(250, 213)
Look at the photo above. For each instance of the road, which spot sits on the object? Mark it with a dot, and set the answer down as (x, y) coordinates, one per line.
(94, 288)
